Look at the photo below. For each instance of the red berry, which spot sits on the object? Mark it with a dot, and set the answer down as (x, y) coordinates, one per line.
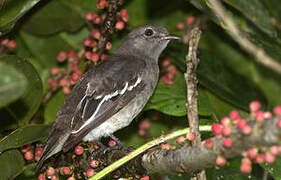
(101, 4)
(216, 129)
(225, 121)
(5, 42)
(165, 146)
(87, 42)
(108, 46)
(260, 158)
(227, 142)
(61, 56)
(96, 19)
(66, 90)
(64, 82)
(88, 54)
(124, 15)
(254, 106)
(252, 153)
(54, 70)
(166, 62)
(180, 139)
(189, 19)
(274, 150)
(38, 151)
(79, 150)
(94, 57)
(88, 16)
(90, 172)
(245, 168)
(269, 158)
(28, 155)
(267, 115)
(234, 115)
(94, 43)
(66, 171)
(120, 25)
(52, 82)
(277, 110)
(70, 54)
(246, 129)
(12, 44)
(209, 143)
(25, 148)
(74, 76)
(226, 130)
(241, 123)
(144, 125)
(50, 171)
(246, 161)
(259, 116)
(144, 178)
(95, 33)
(190, 136)
(70, 178)
(279, 123)
(41, 177)
(180, 25)
(167, 80)
(103, 56)
(55, 178)
(220, 161)
(111, 143)
(94, 163)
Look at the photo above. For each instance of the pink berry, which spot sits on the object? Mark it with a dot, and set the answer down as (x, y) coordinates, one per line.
(94, 43)
(180, 139)
(246, 160)
(70, 54)
(180, 25)
(50, 171)
(54, 70)
(88, 16)
(252, 153)
(5, 42)
(225, 121)
(141, 132)
(52, 82)
(259, 116)
(267, 115)
(41, 177)
(234, 115)
(274, 150)
(66, 171)
(209, 143)
(227, 142)
(166, 80)
(64, 82)
(220, 161)
(90, 172)
(144, 178)
(87, 42)
(216, 129)
(74, 76)
(269, 158)
(28, 155)
(166, 62)
(70, 178)
(246, 168)
(165, 146)
(38, 151)
(95, 57)
(61, 56)
(79, 150)
(241, 123)
(190, 136)
(254, 106)
(260, 158)
(101, 4)
(66, 90)
(96, 19)
(120, 25)
(25, 148)
(103, 56)
(12, 44)
(88, 54)
(277, 110)
(111, 143)
(95, 33)
(108, 46)
(279, 123)
(144, 125)
(94, 163)
(246, 129)
(55, 178)
(124, 15)
(226, 130)
(190, 19)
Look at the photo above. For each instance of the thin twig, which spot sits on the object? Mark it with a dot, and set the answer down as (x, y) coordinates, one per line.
(259, 53)
(192, 93)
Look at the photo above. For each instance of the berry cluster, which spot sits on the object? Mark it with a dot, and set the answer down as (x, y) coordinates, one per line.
(169, 71)
(7, 46)
(188, 21)
(95, 22)
(234, 122)
(66, 78)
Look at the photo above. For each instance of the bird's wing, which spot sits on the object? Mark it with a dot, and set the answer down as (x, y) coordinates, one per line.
(108, 89)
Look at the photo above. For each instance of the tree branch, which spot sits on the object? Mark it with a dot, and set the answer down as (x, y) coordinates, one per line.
(259, 53)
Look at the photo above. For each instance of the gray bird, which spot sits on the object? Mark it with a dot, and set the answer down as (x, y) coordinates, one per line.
(109, 96)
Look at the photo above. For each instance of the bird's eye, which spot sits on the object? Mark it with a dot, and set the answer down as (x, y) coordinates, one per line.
(148, 32)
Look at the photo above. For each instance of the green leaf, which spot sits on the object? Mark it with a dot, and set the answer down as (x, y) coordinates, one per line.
(11, 11)
(25, 107)
(274, 169)
(11, 164)
(28, 173)
(217, 77)
(12, 84)
(56, 16)
(53, 107)
(24, 135)
(255, 11)
(275, 8)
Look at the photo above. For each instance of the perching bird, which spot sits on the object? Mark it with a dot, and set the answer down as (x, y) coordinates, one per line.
(109, 96)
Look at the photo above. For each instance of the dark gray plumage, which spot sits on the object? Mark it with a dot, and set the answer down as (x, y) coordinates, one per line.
(110, 95)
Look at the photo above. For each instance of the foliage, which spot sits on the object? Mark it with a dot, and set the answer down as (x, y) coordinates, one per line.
(229, 78)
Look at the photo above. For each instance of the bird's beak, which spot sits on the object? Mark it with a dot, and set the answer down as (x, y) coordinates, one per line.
(171, 37)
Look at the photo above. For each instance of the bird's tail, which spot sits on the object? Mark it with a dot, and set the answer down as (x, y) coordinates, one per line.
(53, 145)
